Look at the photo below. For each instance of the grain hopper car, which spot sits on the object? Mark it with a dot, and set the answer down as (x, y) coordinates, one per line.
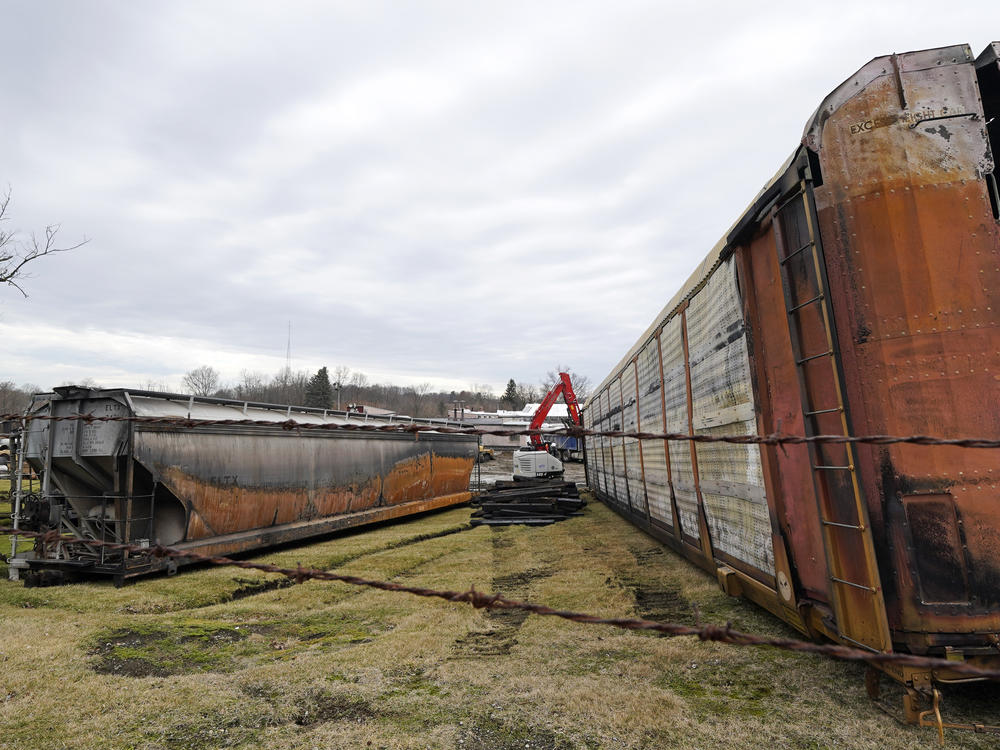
(859, 294)
(215, 489)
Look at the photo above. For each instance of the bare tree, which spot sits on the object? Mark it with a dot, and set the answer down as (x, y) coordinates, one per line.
(356, 387)
(87, 382)
(15, 399)
(527, 394)
(581, 383)
(251, 386)
(486, 399)
(202, 381)
(289, 387)
(417, 393)
(341, 373)
(17, 251)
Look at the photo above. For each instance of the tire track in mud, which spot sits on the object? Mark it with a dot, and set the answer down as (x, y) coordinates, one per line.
(253, 586)
(653, 599)
(503, 625)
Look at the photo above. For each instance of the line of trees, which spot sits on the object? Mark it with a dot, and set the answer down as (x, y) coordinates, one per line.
(333, 390)
(516, 395)
(14, 399)
(341, 387)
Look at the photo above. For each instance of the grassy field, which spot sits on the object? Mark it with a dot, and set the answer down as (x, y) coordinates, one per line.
(225, 658)
(5, 510)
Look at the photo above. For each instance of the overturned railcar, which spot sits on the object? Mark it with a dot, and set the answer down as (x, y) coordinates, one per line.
(858, 294)
(211, 487)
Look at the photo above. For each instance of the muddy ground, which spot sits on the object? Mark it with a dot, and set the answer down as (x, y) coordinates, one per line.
(227, 658)
(239, 659)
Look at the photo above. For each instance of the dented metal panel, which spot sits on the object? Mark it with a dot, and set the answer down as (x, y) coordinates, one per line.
(605, 472)
(617, 419)
(594, 458)
(654, 459)
(677, 421)
(609, 459)
(633, 461)
(729, 475)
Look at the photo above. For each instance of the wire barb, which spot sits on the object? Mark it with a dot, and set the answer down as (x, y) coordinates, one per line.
(776, 439)
(721, 634)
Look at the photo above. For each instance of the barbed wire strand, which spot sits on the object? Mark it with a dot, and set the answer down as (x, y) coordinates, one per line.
(717, 633)
(722, 634)
(293, 425)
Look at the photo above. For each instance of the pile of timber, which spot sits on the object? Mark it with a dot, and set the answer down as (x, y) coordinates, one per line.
(532, 502)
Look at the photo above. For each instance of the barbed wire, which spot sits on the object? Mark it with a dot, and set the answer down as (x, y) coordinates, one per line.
(717, 633)
(580, 432)
(722, 634)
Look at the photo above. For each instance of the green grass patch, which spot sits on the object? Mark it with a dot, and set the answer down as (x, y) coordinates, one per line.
(717, 688)
(225, 658)
(159, 649)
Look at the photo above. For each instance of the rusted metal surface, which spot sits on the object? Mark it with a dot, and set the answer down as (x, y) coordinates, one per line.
(223, 488)
(868, 272)
(904, 207)
(229, 544)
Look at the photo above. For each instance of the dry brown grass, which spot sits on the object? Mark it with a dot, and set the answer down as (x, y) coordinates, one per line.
(331, 666)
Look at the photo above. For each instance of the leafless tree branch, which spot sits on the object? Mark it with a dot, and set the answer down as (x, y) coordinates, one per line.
(17, 252)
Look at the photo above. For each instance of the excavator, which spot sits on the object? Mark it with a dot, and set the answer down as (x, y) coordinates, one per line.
(535, 461)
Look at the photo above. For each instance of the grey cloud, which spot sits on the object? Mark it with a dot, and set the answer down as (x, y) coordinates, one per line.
(515, 185)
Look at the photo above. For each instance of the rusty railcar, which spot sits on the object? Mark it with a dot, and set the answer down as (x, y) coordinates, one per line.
(216, 488)
(858, 294)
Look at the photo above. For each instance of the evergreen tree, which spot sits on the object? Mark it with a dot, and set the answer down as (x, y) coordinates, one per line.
(319, 392)
(510, 395)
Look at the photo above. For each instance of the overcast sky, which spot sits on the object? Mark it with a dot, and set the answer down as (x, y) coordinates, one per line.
(455, 193)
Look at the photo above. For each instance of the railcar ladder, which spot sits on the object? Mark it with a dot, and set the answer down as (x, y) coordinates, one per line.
(854, 586)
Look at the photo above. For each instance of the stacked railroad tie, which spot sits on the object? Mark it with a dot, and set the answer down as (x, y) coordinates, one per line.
(532, 502)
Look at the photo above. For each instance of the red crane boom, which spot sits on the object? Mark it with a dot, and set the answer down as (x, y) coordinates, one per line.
(565, 388)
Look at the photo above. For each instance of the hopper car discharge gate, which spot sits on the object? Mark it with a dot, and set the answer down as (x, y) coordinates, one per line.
(212, 488)
(856, 295)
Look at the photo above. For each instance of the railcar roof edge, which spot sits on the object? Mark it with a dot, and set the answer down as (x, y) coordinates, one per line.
(870, 71)
(151, 404)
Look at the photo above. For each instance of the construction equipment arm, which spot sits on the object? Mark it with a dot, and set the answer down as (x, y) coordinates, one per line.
(565, 388)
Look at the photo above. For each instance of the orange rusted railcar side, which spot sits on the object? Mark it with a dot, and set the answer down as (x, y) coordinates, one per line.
(867, 273)
(912, 240)
(219, 486)
(794, 513)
